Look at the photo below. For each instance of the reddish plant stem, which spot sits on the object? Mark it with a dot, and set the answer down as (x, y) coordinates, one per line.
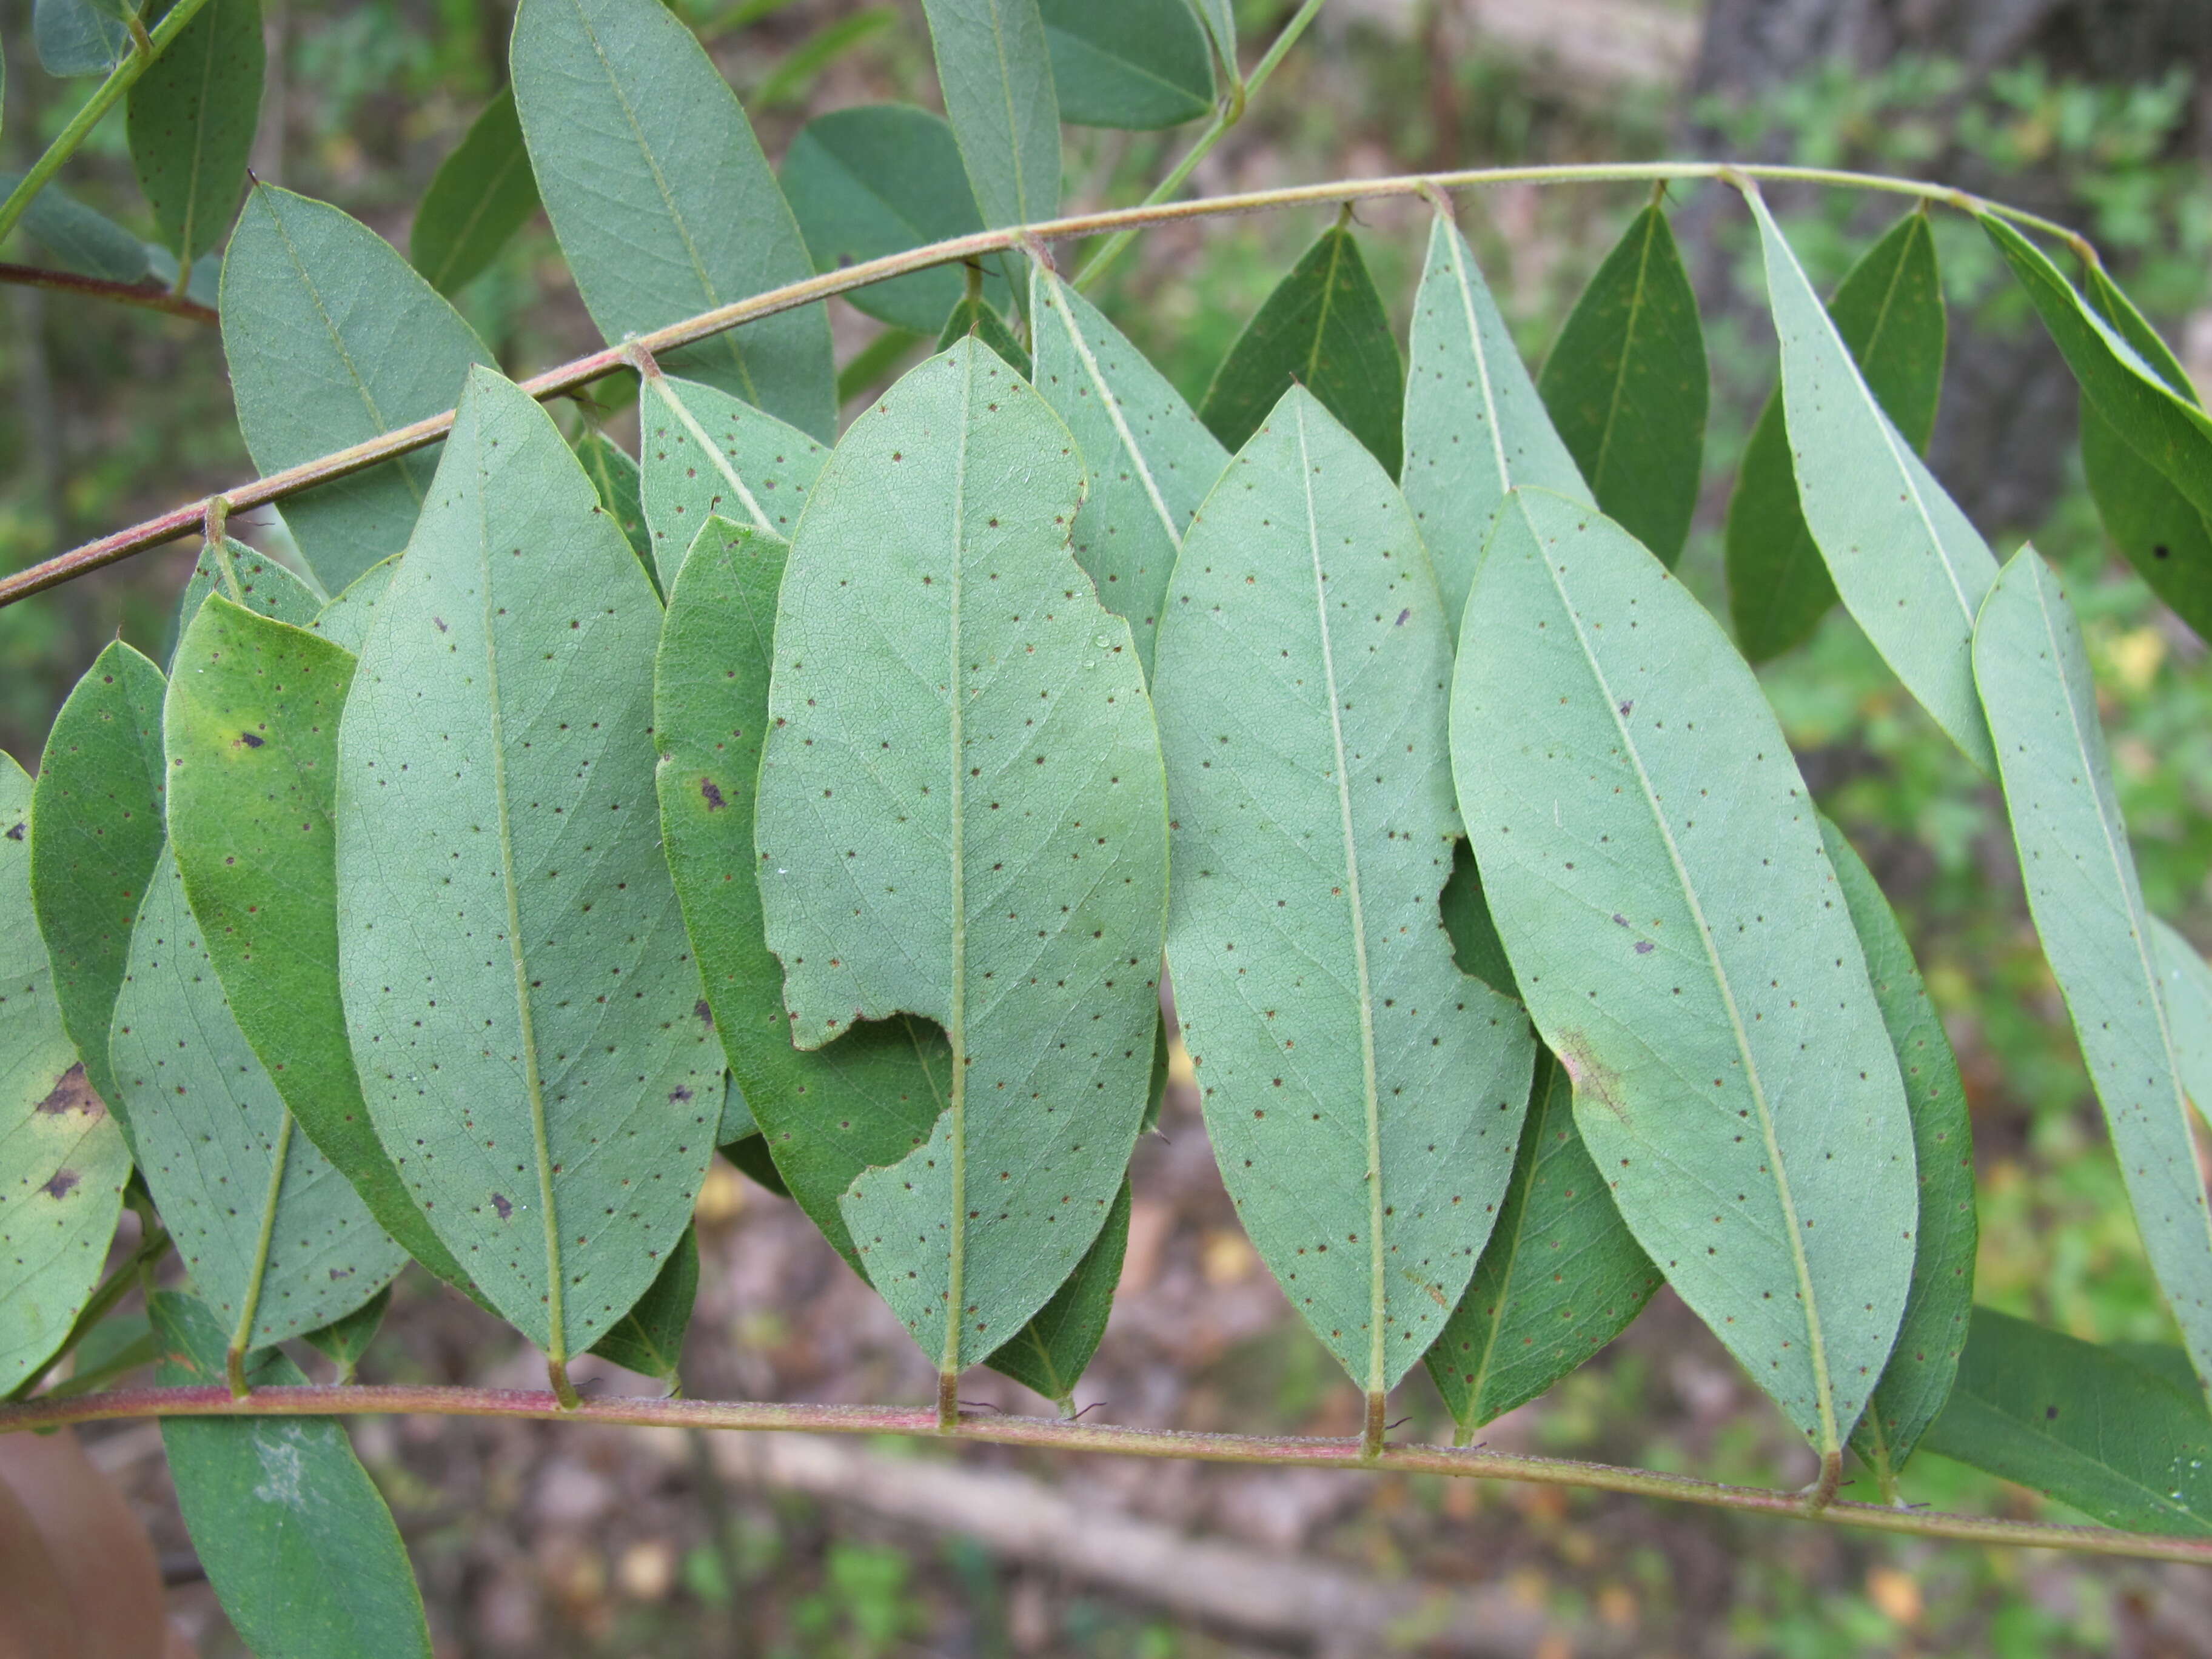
(101, 287)
(1064, 1436)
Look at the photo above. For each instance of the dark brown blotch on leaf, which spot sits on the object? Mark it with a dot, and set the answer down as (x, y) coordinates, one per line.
(72, 1094)
(60, 1185)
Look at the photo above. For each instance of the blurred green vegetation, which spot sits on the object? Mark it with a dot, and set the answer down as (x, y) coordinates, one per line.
(113, 414)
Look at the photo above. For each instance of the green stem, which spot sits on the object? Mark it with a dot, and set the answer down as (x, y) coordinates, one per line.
(145, 49)
(1290, 1451)
(234, 1362)
(568, 377)
(1230, 112)
(117, 1285)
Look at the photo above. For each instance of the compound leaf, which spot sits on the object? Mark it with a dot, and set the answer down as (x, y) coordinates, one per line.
(480, 195)
(1653, 866)
(192, 116)
(661, 197)
(1152, 460)
(1918, 1378)
(2093, 1427)
(332, 340)
(994, 70)
(2087, 905)
(98, 804)
(706, 454)
(1363, 1096)
(497, 857)
(1909, 566)
(1002, 772)
(1888, 311)
(1476, 427)
(1561, 1277)
(277, 1242)
(881, 178)
(1323, 328)
(294, 1536)
(63, 1162)
(649, 1339)
(1626, 387)
(251, 731)
(1141, 63)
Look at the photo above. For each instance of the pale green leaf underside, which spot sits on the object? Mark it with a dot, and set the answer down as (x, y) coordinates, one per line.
(1918, 1379)
(1363, 1096)
(250, 728)
(2091, 1426)
(1652, 860)
(1150, 459)
(272, 1235)
(2087, 905)
(661, 197)
(704, 453)
(962, 817)
(1908, 565)
(2186, 980)
(1474, 426)
(192, 116)
(871, 1096)
(522, 1003)
(79, 37)
(98, 803)
(294, 1536)
(994, 70)
(1561, 1277)
(344, 621)
(63, 1162)
(331, 340)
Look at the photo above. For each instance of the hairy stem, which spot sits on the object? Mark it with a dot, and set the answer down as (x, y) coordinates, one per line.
(990, 1429)
(593, 366)
(145, 49)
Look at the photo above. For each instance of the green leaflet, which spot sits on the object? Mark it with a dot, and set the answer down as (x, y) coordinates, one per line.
(706, 454)
(871, 1097)
(1918, 1378)
(1363, 1096)
(2160, 423)
(1909, 566)
(277, 1242)
(497, 856)
(1561, 1277)
(1150, 459)
(233, 570)
(1655, 872)
(994, 70)
(662, 200)
(251, 731)
(332, 340)
(98, 805)
(1138, 63)
(481, 195)
(1626, 387)
(344, 621)
(649, 1339)
(2185, 982)
(1475, 425)
(1006, 789)
(81, 239)
(192, 117)
(973, 315)
(2087, 905)
(63, 1162)
(1323, 328)
(1220, 18)
(1888, 311)
(881, 178)
(2154, 524)
(79, 37)
(615, 481)
(342, 1341)
(2093, 1427)
(294, 1536)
